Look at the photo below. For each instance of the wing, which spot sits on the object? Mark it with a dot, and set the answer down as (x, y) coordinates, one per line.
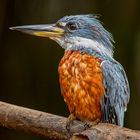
(117, 94)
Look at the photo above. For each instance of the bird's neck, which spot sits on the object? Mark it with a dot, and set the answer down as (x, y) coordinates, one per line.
(90, 46)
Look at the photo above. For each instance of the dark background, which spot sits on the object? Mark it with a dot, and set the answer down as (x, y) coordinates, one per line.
(28, 64)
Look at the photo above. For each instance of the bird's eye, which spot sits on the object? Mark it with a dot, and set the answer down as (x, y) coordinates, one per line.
(71, 26)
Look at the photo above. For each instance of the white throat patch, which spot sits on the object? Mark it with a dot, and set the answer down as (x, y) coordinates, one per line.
(72, 42)
(89, 43)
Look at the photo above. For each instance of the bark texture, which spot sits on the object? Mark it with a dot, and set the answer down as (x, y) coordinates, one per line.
(53, 126)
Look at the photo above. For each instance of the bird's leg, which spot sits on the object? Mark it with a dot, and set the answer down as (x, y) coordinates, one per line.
(70, 120)
(89, 124)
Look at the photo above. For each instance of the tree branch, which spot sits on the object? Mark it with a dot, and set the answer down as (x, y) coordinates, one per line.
(53, 126)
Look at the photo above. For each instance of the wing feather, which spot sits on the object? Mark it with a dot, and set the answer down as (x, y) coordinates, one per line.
(117, 94)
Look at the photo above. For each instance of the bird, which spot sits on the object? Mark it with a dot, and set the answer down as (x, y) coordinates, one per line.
(93, 84)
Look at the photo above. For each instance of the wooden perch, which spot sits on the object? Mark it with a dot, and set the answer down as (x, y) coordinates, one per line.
(53, 126)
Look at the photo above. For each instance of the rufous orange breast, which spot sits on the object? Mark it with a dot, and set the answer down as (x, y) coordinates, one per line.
(81, 82)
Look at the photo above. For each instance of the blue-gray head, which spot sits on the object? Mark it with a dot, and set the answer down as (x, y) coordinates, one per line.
(75, 32)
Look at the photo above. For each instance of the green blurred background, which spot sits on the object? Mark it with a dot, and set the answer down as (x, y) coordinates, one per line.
(28, 71)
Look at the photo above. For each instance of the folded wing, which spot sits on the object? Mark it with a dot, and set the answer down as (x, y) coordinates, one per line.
(117, 94)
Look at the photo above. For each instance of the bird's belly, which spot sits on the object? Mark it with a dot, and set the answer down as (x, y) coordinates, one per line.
(81, 82)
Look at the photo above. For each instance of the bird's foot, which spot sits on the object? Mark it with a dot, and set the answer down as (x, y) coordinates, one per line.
(69, 122)
(89, 124)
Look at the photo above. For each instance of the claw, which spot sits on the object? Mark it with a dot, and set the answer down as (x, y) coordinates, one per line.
(69, 122)
(89, 124)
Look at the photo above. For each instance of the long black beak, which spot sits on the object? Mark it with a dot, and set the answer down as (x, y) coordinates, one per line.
(45, 30)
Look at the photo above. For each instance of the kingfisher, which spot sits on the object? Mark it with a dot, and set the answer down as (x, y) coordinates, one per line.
(94, 85)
